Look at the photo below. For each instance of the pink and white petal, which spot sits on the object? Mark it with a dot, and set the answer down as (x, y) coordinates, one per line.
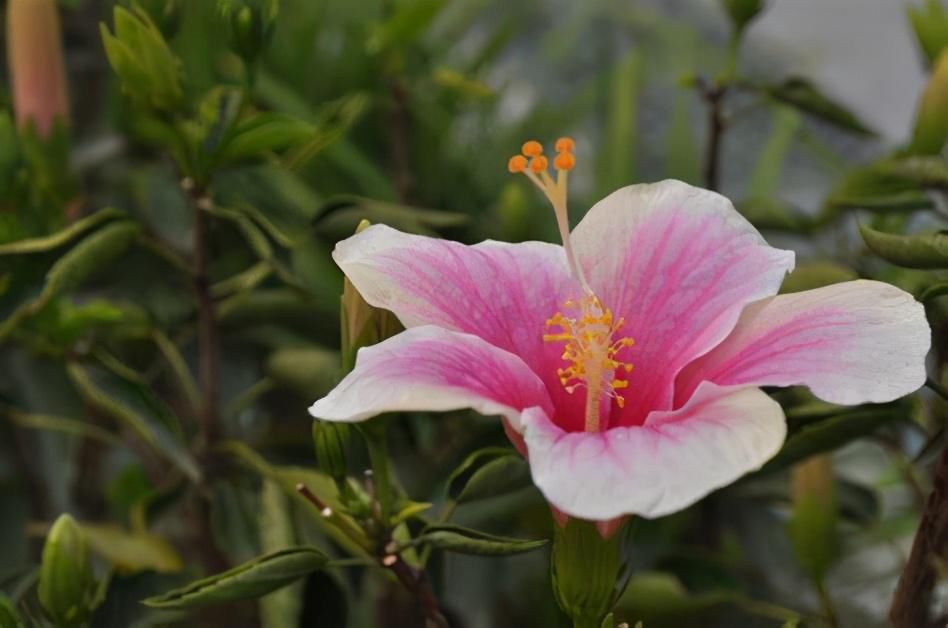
(671, 461)
(502, 292)
(679, 263)
(853, 342)
(433, 369)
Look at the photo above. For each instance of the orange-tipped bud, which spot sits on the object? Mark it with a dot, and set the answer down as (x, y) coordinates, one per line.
(517, 163)
(539, 163)
(565, 145)
(532, 148)
(564, 161)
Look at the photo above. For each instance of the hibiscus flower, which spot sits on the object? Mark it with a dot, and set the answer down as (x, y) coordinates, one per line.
(626, 363)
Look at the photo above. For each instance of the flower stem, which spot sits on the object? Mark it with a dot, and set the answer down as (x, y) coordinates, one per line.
(208, 349)
(912, 601)
(714, 95)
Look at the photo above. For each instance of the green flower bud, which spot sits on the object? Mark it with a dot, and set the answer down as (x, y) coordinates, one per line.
(66, 585)
(251, 24)
(149, 71)
(742, 12)
(362, 324)
(931, 124)
(166, 14)
(585, 568)
(330, 441)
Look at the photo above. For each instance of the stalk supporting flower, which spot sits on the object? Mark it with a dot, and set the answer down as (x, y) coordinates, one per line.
(542, 334)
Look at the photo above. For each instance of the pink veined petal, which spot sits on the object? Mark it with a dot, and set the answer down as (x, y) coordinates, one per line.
(503, 293)
(853, 342)
(658, 468)
(429, 368)
(679, 263)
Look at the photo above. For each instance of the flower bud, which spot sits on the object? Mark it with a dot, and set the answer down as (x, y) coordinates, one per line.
(812, 526)
(742, 12)
(166, 14)
(330, 441)
(931, 124)
(585, 568)
(149, 71)
(251, 24)
(35, 57)
(362, 324)
(66, 586)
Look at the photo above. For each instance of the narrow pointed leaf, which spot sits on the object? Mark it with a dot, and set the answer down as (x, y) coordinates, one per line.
(925, 251)
(249, 580)
(461, 540)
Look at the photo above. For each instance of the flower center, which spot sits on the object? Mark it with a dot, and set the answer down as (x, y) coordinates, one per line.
(591, 343)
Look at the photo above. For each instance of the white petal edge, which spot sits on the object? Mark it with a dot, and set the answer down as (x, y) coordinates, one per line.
(661, 467)
(432, 369)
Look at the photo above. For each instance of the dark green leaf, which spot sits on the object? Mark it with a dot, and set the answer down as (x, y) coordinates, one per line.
(488, 473)
(834, 432)
(925, 251)
(461, 540)
(250, 580)
(805, 96)
(263, 133)
(50, 242)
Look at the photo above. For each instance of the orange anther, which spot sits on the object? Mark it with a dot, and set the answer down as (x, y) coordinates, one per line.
(517, 163)
(538, 163)
(565, 145)
(532, 148)
(564, 161)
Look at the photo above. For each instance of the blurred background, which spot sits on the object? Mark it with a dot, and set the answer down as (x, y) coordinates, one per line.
(173, 180)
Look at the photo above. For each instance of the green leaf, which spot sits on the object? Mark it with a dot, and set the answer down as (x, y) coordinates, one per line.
(828, 434)
(461, 540)
(92, 254)
(64, 425)
(282, 608)
(139, 55)
(925, 251)
(132, 552)
(766, 212)
(340, 526)
(810, 275)
(263, 133)
(786, 124)
(806, 97)
(812, 525)
(340, 217)
(488, 473)
(931, 122)
(249, 580)
(149, 430)
(9, 617)
(54, 240)
(933, 292)
(875, 189)
(616, 157)
(310, 372)
(923, 171)
(930, 23)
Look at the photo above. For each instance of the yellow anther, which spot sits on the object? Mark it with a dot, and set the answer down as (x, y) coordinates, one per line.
(532, 148)
(517, 163)
(591, 352)
(538, 163)
(565, 145)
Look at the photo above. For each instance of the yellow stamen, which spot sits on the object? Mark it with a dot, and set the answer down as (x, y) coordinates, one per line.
(589, 348)
(592, 354)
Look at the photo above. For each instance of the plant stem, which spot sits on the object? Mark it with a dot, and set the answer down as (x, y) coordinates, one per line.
(208, 350)
(416, 583)
(910, 606)
(713, 96)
